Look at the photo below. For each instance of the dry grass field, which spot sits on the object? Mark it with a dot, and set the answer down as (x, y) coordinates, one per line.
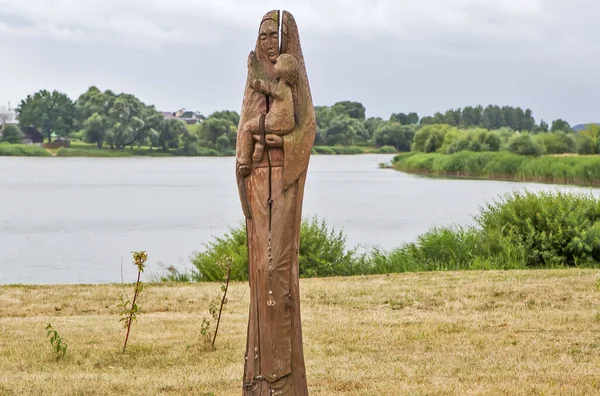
(453, 333)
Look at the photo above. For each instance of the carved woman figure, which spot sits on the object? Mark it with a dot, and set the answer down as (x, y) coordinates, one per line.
(271, 188)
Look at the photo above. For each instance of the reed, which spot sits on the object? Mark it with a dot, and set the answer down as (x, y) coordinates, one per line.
(575, 169)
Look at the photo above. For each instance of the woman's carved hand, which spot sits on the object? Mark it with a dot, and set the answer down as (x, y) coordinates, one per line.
(274, 140)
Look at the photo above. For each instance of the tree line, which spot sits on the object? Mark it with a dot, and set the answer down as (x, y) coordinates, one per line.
(447, 139)
(105, 118)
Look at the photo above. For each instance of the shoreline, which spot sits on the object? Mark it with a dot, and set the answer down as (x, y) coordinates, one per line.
(498, 178)
(18, 150)
(581, 171)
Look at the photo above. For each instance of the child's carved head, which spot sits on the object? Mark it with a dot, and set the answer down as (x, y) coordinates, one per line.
(286, 68)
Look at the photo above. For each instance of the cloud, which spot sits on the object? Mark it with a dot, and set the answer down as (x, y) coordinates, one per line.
(201, 22)
(392, 55)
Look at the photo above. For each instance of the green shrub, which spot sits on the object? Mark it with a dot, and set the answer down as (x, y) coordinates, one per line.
(556, 142)
(323, 252)
(520, 230)
(554, 229)
(585, 145)
(323, 150)
(11, 134)
(517, 231)
(387, 150)
(16, 150)
(430, 138)
(523, 144)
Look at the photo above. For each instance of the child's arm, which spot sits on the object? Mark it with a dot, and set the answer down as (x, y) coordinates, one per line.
(267, 88)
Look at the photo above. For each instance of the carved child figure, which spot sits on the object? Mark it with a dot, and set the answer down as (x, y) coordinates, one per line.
(278, 121)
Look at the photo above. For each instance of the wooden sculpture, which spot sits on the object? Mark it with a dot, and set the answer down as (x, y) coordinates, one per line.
(276, 133)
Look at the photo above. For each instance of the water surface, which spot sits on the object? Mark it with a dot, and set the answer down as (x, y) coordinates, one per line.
(72, 220)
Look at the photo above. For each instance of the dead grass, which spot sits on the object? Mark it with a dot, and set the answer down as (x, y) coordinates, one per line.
(515, 332)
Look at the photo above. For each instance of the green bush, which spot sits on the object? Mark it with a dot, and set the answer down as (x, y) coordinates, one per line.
(11, 134)
(323, 150)
(387, 150)
(323, 252)
(554, 229)
(585, 145)
(520, 230)
(16, 150)
(233, 244)
(556, 142)
(430, 138)
(523, 144)
(517, 231)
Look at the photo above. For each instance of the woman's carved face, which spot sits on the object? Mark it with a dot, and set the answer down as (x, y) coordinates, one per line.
(269, 39)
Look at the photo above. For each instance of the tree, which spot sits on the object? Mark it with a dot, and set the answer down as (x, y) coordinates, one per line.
(529, 122)
(130, 121)
(49, 112)
(588, 140)
(344, 130)
(324, 115)
(169, 133)
(560, 125)
(543, 126)
(427, 120)
(493, 118)
(453, 117)
(400, 118)
(405, 119)
(395, 134)
(212, 129)
(352, 109)
(556, 142)
(413, 118)
(93, 101)
(230, 115)
(94, 130)
(372, 124)
(189, 139)
(11, 134)
(523, 144)
(520, 119)
(423, 140)
(471, 116)
(510, 117)
(585, 145)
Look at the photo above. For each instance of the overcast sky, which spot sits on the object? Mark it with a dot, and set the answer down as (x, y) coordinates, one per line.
(391, 55)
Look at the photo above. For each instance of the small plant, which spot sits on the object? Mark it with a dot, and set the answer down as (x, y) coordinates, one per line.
(129, 309)
(59, 344)
(225, 264)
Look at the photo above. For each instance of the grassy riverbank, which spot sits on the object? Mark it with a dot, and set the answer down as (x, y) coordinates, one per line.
(509, 332)
(576, 170)
(22, 150)
(79, 149)
(516, 231)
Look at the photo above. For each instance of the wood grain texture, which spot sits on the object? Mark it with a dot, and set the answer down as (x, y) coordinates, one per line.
(271, 197)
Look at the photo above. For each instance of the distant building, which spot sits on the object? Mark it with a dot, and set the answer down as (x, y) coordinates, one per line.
(189, 116)
(8, 116)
